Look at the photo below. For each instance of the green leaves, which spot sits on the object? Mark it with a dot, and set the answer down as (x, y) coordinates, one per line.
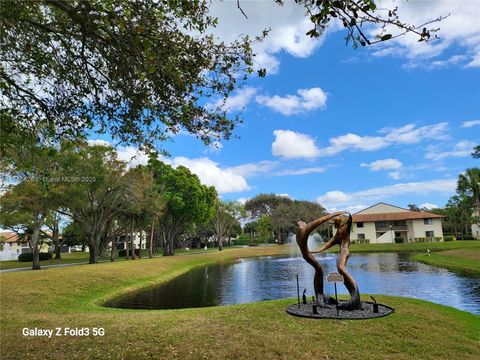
(126, 67)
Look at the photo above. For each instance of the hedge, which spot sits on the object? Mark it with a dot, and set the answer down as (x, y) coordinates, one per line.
(27, 257)
(123, 253)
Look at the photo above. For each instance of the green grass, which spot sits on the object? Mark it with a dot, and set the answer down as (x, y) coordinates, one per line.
(416, 247)
(83, 257)
(464, 261)
(71, 297)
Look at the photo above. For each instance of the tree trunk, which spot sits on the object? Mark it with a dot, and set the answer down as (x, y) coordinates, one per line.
(150, 248)
(168, 246)
(220, 243)
(35, 250)
(58, 251)
(93, 254)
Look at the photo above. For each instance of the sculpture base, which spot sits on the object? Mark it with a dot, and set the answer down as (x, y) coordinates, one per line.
(330, 312)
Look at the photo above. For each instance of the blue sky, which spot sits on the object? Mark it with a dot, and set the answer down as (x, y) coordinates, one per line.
(344, 127)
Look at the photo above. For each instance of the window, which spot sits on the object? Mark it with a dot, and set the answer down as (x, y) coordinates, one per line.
(361, 236)
(359, 224)
(429, 234)
(427, 221)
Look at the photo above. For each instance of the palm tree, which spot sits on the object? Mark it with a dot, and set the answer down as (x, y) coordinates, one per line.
(469, 185)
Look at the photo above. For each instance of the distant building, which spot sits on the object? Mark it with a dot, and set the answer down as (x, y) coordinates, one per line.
(12, 246)
(384, 223)
(121, 243)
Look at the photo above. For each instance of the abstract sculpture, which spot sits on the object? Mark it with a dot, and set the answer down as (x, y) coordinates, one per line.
(341, 238)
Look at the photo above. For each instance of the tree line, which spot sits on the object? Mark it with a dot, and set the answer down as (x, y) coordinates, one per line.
(104, 199)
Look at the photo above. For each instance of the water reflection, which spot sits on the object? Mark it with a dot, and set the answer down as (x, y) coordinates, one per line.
(269, 278)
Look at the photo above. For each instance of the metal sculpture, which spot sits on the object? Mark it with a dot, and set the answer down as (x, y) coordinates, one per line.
(341, 238)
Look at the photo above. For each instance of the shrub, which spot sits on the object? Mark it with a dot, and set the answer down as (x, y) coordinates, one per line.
(361, 241)
(448, 238)
(398, 240)
(27, 257)
(123, 253)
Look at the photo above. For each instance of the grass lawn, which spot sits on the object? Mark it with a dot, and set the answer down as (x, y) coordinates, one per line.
(416, 247)
(464, 261)
(70, 297)
(82, 257)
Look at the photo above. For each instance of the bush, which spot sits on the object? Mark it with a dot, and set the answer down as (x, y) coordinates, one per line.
(123, 253)
(361, 241)
(27, 257)
(398, 240)
(448, 238)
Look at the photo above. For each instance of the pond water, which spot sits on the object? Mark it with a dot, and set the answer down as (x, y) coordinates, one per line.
(268, 278)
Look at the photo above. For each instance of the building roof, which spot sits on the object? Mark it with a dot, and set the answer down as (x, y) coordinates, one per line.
(392, 216)
(9, 236)
(384, 207)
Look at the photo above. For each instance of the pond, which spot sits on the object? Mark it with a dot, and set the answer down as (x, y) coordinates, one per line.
(268, 278)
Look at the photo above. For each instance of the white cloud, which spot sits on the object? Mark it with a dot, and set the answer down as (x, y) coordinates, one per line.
(428, 206)
(333, 197)
(98, 142)
(384, 164)
(340, 199)
(254, 169)
(408, 134)
(462, 149)
(238, 100)
(301, 171)
(288, 25)
(291, 145)
(243, 200)
(132, 156)
(471, 123)
(395, 175)
(307, 99)
(350, 208)
(211, 174)
(460, 28)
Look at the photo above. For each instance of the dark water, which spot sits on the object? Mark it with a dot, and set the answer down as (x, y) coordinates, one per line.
(268, 278)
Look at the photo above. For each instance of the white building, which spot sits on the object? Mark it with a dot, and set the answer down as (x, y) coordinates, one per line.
(384, 223)
(12, 246)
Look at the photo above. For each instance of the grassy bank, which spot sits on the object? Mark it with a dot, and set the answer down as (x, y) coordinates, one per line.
(69, 297)
(83, 257)
(416, 247)
(464, 261)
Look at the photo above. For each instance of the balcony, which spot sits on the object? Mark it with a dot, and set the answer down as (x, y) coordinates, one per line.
(384, 228)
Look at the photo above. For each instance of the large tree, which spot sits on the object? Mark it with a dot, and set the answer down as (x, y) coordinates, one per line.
(226, 218)
(93, 189)
(32, 200)
(283, 211)
(139, 70)
(187, 202)
(36, 191)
